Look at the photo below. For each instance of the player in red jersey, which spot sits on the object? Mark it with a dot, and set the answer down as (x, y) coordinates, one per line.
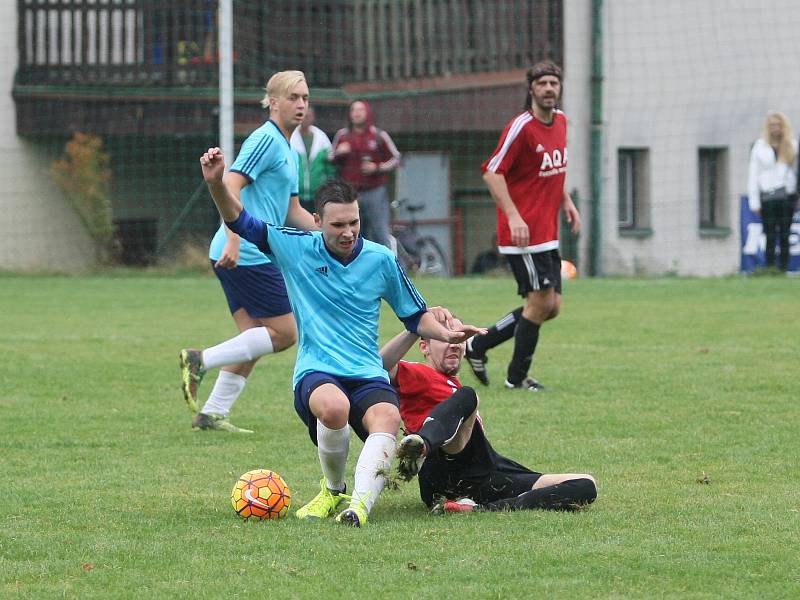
(446, 444)
(525, 176)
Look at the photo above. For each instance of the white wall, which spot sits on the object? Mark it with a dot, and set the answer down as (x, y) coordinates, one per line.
(38, 230)
(577, 105)
(680, 75)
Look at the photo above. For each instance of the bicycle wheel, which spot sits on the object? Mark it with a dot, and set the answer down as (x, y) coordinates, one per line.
(406, 260)
(432, 260)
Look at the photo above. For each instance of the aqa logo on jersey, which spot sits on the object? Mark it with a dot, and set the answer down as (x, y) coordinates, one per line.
(553, 163)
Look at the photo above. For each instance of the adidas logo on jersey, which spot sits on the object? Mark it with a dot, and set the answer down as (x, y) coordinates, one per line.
(540, 148)
(322, 270)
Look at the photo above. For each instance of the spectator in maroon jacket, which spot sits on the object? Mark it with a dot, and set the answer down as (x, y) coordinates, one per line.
(365, 155)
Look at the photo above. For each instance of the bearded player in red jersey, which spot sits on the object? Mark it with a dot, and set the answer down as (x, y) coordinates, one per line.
(525, 176)
(458, 468)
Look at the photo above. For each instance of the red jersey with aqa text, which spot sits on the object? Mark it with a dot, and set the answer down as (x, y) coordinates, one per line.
(532, 156)
(421, 388)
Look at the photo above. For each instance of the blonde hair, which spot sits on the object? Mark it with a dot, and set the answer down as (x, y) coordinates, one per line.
(785, 146)
(280, 84)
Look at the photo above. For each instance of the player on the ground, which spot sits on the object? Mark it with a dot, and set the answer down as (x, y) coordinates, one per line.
(336, 281)
(525, 176)
(264, 176)
(460, 471)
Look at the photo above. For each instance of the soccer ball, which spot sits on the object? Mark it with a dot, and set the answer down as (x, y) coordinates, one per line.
(568, 270)
(262, 494)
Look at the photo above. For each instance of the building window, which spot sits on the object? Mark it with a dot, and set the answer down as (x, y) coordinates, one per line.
(712, 178)
(634, 188)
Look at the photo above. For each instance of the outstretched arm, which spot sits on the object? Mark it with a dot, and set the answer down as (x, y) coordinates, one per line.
(230, 208)
(213, 164)
(395, 349)
(233, 182)
(449, 330)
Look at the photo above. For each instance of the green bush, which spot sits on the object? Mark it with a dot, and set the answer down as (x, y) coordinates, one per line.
(84, 175)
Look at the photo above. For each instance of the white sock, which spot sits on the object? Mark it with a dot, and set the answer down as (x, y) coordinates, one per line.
(249, 344)
(333, 446)
(227, 389)
(373, 467)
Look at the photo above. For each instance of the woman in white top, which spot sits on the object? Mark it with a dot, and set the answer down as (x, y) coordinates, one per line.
(772, 183)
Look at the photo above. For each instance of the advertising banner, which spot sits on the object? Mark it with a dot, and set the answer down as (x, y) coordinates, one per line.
(754, 241)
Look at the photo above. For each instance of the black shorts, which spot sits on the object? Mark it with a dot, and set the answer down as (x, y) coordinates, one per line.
(536, 272)
(477, 472)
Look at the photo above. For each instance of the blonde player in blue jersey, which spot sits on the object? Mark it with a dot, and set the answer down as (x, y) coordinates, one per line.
(336, 281)
(264, 177)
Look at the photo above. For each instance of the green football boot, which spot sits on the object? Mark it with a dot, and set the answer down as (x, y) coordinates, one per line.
(192, 373)
(202, 421)
(354, 516)
(323, 505)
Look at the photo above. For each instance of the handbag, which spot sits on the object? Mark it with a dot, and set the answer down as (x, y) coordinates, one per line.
(773, 195)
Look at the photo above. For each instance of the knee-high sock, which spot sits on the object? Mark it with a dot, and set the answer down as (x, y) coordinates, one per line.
(373, 467)
(226, 390)
(249, 344)
(566, 495)
(333, 446)
(498, 333)
(443, 421)
(526, 337)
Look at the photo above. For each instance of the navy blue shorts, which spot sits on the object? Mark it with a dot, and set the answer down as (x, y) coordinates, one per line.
(259, 289)
(362, 394)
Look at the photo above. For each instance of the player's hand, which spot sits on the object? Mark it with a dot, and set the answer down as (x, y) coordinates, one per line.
(213, 165)
(460, 332)
(573, 217)
(520, 235)
(442, 315)
(368, 167)
(343, 148)
(230, 253)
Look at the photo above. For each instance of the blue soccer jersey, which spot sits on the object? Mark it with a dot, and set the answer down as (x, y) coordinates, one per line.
(268, 162)
(337, 303)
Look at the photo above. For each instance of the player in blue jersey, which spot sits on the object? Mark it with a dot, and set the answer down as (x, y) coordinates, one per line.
(336, 281)
(264, 178)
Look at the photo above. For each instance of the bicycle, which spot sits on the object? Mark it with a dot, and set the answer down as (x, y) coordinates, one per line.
(417, 253)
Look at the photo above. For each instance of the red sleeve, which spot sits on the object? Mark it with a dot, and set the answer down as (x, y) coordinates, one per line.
(507, 150)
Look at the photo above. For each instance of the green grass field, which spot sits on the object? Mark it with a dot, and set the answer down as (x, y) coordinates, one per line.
(681, 396)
